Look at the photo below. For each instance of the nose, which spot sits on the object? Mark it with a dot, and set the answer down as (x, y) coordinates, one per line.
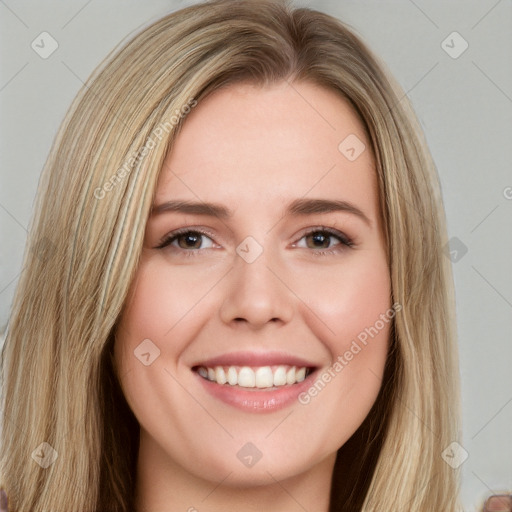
(257, 293)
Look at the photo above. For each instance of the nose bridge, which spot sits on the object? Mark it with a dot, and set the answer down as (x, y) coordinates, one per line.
(255, 293)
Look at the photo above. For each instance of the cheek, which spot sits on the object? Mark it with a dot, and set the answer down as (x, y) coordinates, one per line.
(139, 351)
(350, 310)
(155, 327)
(163, 312)
(348, 299)
(159, 307)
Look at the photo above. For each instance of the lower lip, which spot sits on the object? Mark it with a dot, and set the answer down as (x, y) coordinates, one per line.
(257, 400)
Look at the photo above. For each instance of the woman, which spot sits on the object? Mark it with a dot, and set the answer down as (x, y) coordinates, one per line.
(182, 338)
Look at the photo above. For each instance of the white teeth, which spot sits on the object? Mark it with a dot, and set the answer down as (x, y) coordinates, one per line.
(280, 376)
(264, 377)
(246, 377)
(220, 376)
(232, 376)
(257, 377)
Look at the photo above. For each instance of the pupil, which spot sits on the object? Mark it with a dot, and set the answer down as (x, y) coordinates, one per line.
(321, 238)
(192, 239)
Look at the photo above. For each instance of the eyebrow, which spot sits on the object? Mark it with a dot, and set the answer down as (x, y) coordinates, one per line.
(297, 207)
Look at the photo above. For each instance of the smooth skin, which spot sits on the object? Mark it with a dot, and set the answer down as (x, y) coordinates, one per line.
(254, 150)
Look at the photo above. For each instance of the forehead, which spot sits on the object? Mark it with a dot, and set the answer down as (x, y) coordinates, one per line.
(247, 144)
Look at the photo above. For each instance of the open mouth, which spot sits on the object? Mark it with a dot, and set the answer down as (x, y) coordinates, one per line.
(255, 377)
(255, 381)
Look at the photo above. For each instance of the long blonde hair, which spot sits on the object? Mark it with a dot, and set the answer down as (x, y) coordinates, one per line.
(60, 385)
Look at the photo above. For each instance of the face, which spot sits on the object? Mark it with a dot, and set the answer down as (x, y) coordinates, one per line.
(254, 337)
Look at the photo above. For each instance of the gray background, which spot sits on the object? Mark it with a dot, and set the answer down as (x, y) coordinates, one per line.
(464, 105)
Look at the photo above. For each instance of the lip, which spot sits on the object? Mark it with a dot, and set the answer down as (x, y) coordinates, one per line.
(255, 359)
(256, 400)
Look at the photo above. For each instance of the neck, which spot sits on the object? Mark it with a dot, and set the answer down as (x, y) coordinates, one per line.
(164, 486)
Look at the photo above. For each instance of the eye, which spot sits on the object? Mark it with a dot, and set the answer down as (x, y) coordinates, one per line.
(190, 241)
(186, 239)
(321, 239)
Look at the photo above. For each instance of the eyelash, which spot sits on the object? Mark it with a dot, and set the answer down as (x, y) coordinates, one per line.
(345, 241)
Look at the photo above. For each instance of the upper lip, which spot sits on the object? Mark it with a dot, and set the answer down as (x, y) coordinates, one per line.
(255, 359)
